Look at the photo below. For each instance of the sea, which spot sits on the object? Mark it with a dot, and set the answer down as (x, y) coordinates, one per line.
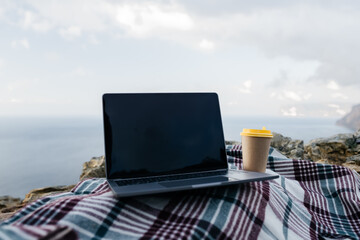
(47, 151)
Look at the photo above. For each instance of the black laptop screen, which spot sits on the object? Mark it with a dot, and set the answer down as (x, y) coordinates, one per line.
(162, 133)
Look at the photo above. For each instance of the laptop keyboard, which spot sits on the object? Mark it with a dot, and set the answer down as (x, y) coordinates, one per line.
(133, 181)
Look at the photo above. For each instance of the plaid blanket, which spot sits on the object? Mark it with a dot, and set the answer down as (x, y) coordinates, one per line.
(308, 201)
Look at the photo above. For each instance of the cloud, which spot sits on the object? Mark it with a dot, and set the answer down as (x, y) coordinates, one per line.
(232, 103)
(206, 44)
(286, 95)
(145, 19)
(93, 40)
(332, 85)
(16, 100)
(246, 87)
(341, 111)
(20, 43)
(333, 105)
(339, 95)
(337, 108)
(280, 80)
(81, 72)
(70, 33)
(292, 96)
(291, 112)
(31, 20)
(22, 85)
(307, 96)
(257, 40)
(92, 15)
(52, 56)
(303, 31)
(127, 18)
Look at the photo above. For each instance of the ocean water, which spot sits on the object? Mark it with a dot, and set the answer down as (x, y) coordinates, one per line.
(304, 129)
(40, 152)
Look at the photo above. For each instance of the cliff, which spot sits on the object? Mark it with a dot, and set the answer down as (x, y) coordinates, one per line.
(352, 119)
(340, 149)
(291, 148)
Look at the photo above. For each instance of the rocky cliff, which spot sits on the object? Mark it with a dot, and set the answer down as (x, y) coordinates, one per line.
(95, 168)
(352, 119)
(292, 148)
(9, 205)
(340, 149)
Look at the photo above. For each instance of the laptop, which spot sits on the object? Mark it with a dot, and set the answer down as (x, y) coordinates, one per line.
(164, 142)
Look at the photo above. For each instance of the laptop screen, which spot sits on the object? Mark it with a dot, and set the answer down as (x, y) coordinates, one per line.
(152, 134)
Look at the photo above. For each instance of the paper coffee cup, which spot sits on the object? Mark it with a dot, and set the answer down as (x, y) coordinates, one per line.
(255, 148)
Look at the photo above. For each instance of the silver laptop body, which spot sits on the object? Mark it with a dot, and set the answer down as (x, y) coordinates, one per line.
(164, 142)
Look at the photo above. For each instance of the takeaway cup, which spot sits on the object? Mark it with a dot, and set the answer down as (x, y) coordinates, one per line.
(255, 148)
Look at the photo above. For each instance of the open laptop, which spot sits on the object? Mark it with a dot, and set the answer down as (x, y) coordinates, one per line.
(163, 142)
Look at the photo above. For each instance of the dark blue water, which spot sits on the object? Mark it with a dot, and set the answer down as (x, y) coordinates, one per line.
(40, 152)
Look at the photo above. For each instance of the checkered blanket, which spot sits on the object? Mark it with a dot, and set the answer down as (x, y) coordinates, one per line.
(308, 201)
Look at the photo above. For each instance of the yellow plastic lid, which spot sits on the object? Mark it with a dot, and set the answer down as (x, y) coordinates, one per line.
(257, 133)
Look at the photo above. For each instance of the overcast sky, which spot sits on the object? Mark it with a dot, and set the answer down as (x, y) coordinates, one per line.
(272, 58)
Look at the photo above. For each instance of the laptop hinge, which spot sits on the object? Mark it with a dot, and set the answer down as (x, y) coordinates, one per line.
(216, 172)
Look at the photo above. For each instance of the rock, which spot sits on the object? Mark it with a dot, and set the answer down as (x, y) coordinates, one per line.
(334, 149)
(357, 134)
(7, 201)
(357, 137)
(354, 159)
(322, 161)
(293, 149)
(352, 166)
(340, 149)
(8, 206)
(4, 216)
(352, 119)
(231, 142)
(95, 168)
(46, 191)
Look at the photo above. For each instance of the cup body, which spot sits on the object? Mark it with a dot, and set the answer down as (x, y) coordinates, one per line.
(255, 152)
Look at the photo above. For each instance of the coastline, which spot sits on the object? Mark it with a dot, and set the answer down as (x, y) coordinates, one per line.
(340, 149)
(37, 147)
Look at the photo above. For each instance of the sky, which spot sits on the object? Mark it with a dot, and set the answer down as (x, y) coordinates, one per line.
(263, 58)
